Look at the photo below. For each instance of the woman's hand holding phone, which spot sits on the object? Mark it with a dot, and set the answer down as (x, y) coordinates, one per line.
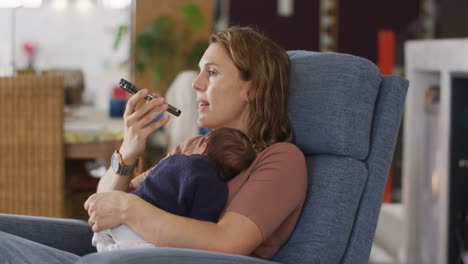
(138, 124)
(133, 89)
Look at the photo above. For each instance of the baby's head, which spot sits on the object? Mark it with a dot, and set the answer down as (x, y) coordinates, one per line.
(230, 150)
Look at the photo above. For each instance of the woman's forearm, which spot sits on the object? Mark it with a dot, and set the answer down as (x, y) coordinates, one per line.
(140, 217)
(171, 230)
(111, 181)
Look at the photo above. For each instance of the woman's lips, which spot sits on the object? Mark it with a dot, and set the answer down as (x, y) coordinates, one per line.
(203, 105)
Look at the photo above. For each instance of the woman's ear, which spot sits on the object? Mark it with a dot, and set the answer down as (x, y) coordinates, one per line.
(247, 93)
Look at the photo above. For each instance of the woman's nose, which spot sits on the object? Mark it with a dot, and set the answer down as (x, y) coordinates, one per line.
(198, 83)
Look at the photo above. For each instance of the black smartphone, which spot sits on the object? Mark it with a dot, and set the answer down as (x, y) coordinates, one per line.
(133, 89)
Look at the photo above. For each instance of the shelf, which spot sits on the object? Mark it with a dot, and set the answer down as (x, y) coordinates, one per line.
(429, 129)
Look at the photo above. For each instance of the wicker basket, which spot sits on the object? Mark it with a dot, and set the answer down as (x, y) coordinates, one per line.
(31, 145)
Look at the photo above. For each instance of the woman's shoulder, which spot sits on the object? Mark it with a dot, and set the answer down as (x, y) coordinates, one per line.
(190, 146)
(284, 149)
(277, 160)
(277, 182)
(284, 146)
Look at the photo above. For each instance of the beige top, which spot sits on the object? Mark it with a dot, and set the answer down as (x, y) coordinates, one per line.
(271, 192)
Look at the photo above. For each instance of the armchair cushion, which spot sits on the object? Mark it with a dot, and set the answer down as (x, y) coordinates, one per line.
(331, 102)
(385, 126)
(324, 227)
(332, 105)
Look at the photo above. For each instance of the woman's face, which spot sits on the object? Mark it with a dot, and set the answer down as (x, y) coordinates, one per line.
(221, 93)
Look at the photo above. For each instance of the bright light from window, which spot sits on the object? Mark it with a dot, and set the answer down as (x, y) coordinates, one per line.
(10, 3)
(84, 6)
(59, 4)
(32, 3)
(116, 4)
(20, 3)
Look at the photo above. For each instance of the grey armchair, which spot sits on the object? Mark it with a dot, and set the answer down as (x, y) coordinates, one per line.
(346, 117)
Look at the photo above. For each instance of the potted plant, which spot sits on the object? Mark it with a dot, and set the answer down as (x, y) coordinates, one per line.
(162, 50)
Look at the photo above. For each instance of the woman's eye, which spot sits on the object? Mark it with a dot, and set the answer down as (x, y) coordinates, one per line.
(211, 73)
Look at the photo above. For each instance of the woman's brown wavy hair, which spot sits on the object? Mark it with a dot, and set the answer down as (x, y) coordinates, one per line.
(266, 65)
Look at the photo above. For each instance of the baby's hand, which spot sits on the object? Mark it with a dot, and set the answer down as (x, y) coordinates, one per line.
(135, 182)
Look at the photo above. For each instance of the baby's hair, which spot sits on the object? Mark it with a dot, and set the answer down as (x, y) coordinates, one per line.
(231, 151)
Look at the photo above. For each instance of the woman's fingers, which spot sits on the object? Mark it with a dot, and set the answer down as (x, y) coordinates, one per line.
(94, 225)
(135, 182)
(91, 220)
(156, 106)
(133, 102)
(152, 114)
(102, 208)
(88, 201)
(146, 113)
(138, 123)
(91, 212)
(153, 126)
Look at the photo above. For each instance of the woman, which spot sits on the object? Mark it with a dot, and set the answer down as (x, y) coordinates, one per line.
(242, 84)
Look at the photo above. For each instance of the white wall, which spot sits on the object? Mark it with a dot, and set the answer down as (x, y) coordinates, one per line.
(70, 38)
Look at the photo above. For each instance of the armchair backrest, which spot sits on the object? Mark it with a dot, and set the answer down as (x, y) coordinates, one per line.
(346, 117)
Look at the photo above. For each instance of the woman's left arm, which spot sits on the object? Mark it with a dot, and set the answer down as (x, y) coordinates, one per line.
(255, 211)
(234, 233)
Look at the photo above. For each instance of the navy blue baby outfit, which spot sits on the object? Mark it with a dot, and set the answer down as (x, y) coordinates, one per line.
(186, 186)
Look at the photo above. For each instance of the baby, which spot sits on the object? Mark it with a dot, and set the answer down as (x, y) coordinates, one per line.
(192, 186)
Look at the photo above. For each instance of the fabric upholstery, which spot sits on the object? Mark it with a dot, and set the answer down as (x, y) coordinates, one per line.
(346, 117)
(332, 97)
(335, 186)
(385, 127)
(333, 129)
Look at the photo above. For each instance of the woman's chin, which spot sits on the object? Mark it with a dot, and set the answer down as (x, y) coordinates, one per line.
(202, 122)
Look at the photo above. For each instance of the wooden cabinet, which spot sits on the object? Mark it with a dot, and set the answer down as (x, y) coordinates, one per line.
(31, 145)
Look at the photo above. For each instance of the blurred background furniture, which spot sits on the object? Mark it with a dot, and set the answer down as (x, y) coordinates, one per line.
(346, 117)
(31, 145)
(435, 164)
(45, 147)
(73, 84)
(90, 137)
